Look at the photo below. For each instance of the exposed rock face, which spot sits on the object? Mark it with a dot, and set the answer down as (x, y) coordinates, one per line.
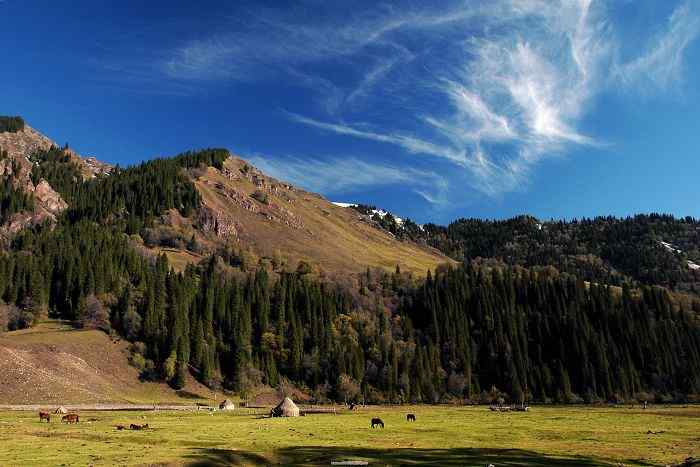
(17, 169)
(92, 167)
(18, 221)
(271, 211)
(47, 205)
(22, 144)
(48, 199)
(219, 223)
(237, 196)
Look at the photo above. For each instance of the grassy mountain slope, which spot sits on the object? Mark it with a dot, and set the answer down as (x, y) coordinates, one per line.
(302, 225)
(53, 363)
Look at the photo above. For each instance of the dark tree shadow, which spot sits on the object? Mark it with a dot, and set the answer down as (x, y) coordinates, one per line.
(187, 394)
(220, 457)
(322, 455)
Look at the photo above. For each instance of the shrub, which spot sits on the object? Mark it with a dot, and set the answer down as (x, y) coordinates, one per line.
(303, 268)
(260, 196)
(4, 317)
(347, 388)
(92, 314)
(180, 378)
(13, 317)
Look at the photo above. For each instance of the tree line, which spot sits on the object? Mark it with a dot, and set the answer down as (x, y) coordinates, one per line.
(606, 249)
(11, 124)
(480, 331)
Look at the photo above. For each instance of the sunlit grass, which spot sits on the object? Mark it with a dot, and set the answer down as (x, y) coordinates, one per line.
(441, 436)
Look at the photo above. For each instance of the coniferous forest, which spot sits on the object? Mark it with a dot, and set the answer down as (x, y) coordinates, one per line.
(478, 331)
(11, 124)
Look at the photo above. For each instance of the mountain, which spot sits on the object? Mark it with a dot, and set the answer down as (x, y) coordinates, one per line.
(16, 149)
(213, 271)
(241, 205)
(648, 249)
(241, 209)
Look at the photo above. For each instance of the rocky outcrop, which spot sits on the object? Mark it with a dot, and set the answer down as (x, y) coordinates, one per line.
(48, 199)
(93, 167)
(220, 224)
(16, 168)
(47, 206)
(22, 144)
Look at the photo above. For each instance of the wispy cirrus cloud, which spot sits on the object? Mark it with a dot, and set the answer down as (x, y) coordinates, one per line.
(522, 89)
(661, 63)
(486, 89)
(409, 143)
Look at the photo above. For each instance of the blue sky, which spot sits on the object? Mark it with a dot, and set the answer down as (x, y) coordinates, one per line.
(456, 109)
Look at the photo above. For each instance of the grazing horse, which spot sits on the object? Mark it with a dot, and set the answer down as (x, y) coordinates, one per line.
(44, 416)
(411, 417)
(377, 422)
(70, 418)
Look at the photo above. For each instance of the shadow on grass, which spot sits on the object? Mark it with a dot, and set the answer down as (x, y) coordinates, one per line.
(213, 456)
(321, 455)
(187, 394)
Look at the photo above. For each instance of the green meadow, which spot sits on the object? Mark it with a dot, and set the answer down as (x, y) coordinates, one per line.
(442, 435)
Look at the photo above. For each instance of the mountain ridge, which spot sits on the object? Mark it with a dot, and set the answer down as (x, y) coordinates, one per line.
(242, 208)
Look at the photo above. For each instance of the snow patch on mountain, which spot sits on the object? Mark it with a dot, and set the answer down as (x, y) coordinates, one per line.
(670, 247)
(692, 265)
(380, 212)
(344, 205)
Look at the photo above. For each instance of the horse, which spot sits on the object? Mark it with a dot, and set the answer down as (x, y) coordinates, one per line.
(44, 416)
(377, 422)
(70, 418)
(411, 417)
(139, 427)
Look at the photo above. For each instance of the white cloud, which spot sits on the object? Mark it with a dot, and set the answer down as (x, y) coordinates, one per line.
(337, 175)
(407, 142)
(661, 64)
(491, 87)
(525, 87)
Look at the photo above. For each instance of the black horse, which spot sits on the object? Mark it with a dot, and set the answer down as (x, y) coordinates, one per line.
(377, 422)
(411, 417)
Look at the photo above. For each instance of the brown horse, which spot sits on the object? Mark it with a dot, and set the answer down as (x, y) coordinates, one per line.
(44, 416)
(139, 427)
(70, 418)
(377, 422)
(410, 417)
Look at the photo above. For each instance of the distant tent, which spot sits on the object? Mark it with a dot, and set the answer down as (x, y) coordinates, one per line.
(226, 404)
(61, 410)
(286, 408)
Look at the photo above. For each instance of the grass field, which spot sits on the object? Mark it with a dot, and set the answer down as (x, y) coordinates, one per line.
(549, 436)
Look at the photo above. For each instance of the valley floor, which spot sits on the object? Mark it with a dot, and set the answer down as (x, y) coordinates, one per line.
(464, 436)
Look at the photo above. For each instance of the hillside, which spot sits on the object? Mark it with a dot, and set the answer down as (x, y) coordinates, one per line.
(17, 147)
(242, 209)
(274, 286)
(298, 224)
(52, 363)
(648, 249)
